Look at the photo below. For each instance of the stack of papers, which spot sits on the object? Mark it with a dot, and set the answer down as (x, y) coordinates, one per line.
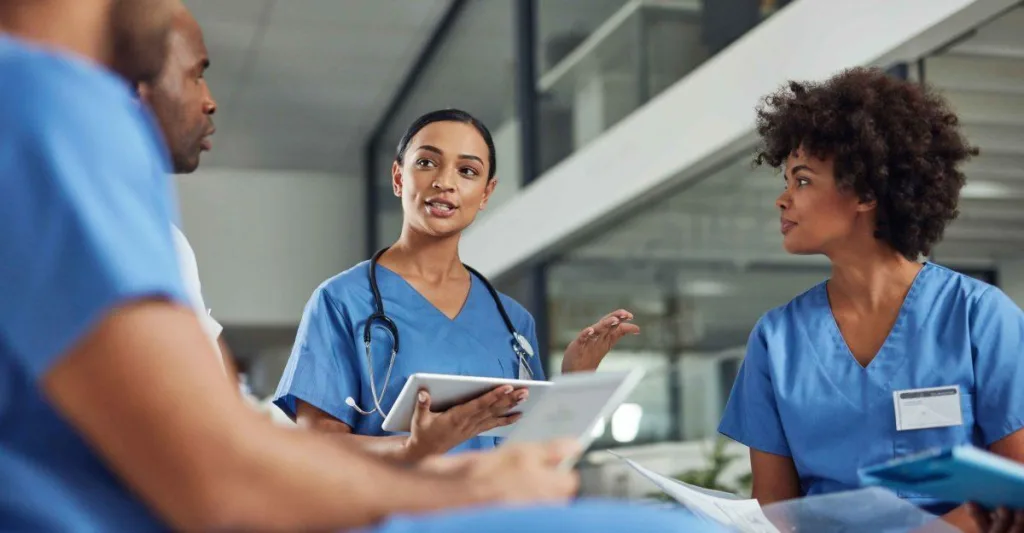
(743, 515)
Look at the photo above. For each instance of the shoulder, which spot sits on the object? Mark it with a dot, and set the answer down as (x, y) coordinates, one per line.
(65, 115)
(353, 282)
(516, 312)
(957, 292)
(783, 318)
(58, 89)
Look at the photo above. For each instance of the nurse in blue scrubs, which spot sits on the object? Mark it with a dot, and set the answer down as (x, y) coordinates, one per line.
(438, 314)
(872, 178)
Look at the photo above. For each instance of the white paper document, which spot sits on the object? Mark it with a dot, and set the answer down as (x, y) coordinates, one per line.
(743, 515)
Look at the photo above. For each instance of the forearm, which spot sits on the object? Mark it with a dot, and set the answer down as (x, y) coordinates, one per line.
(326, 485)
(221, 465)
(391, 448)
(570, 365)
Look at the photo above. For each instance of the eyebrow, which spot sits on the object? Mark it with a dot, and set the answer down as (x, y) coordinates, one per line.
(438, 151)
(798, 168)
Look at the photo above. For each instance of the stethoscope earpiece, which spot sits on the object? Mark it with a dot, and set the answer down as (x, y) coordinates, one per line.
(520, 345)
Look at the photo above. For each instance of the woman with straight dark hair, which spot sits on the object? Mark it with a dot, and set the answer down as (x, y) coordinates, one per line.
(415, 307)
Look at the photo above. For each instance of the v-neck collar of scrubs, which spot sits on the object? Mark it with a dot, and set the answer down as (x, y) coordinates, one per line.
(890, 356)
(425, 302)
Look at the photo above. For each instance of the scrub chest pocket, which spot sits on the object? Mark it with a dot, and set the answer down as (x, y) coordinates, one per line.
(913, 441)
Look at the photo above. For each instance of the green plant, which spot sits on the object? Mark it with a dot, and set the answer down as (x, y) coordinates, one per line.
(718, 459)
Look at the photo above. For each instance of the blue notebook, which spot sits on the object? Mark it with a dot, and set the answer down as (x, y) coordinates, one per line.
(961, 474)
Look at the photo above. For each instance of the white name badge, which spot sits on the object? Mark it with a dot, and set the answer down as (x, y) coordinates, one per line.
(935, 407)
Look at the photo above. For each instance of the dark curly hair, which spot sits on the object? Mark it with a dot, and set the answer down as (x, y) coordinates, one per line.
(893, 141)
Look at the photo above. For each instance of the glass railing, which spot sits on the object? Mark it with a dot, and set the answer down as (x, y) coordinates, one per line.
(637, 52)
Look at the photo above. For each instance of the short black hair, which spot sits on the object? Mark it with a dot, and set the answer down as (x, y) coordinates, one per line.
(893, 141)
(448, 115)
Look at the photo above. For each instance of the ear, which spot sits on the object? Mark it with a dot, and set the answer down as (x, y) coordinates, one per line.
(863, 206)
(488, 191)
(143, 90)
(396, 178)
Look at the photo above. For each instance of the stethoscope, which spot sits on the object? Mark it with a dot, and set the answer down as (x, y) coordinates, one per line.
(520, 345)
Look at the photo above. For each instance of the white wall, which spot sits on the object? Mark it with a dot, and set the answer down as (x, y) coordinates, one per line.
(1011, 279)
(265, 240)
(704, 118)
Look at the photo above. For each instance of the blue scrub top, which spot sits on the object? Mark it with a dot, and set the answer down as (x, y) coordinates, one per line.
(328, 361)
(84, 209)
(800, 393)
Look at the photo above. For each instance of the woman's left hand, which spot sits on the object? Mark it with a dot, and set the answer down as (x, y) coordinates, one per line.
(999, 521)
(586, 352)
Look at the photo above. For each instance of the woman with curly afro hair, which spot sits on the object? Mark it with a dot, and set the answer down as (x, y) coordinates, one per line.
(872, 179)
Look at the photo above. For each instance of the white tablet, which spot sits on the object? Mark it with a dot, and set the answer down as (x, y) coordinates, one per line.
(450, 390)
(574, 405)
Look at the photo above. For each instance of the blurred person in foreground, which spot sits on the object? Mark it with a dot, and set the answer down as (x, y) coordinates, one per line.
(99, 346)
(871, 180)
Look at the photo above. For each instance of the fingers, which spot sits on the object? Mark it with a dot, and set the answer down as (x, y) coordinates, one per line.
(1018, 522)
(478, 413)
(499, 421)
(1001, 521)
(484, 401)
(980, 516)
(484, 418)
(616, 322)
(422, 407)
(557, 451)
(423, 400)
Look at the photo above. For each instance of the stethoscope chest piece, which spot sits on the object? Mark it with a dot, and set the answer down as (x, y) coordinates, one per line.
(523, 344)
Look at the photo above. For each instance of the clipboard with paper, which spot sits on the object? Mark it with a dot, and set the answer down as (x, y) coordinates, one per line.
(959, 474)
(744, 515)
(870, 509)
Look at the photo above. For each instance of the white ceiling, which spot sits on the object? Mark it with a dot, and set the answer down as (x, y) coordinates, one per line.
(300, 83)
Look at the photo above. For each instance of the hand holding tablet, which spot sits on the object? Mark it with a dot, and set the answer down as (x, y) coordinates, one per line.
(568, 407)
(476, 398)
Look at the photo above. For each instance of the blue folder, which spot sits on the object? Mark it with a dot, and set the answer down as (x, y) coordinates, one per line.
(961, 474)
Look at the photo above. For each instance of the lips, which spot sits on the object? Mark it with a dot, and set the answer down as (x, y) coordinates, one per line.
(786, 225)
(441, 208)
(206, 144)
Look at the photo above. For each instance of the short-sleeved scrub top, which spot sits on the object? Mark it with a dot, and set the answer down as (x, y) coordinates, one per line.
(800, 393)
(328, 361)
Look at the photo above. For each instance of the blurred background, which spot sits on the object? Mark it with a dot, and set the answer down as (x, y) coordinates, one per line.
(624, 134)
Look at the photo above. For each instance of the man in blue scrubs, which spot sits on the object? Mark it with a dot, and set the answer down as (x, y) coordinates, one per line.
(102, 361)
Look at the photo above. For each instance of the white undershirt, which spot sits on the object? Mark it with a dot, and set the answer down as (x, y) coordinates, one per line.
(193, 289)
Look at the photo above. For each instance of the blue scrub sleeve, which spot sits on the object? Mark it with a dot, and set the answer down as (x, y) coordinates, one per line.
(536, 365)
(85, 217)
(997, 335)
(751, 415)
(323, 367)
